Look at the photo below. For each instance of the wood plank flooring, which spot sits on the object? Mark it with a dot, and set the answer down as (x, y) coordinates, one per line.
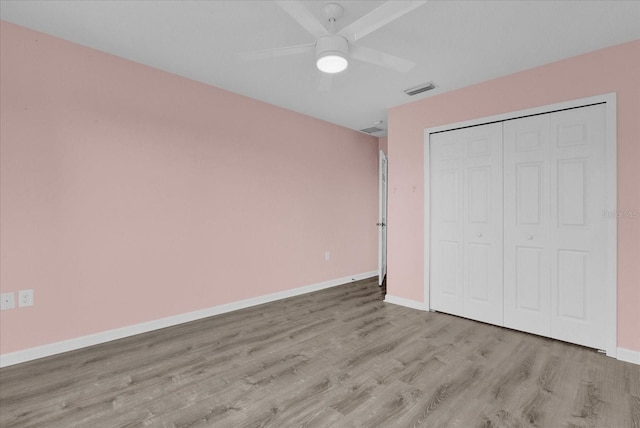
(335, 358)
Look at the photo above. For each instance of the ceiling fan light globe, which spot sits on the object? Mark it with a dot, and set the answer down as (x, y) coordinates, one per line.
(331, 54)
(332, 63)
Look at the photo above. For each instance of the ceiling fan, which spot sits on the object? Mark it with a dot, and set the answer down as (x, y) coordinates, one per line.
(335, 49)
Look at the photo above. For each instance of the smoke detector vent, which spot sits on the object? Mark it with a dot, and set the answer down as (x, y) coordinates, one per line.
(420, 89)
(372, 130)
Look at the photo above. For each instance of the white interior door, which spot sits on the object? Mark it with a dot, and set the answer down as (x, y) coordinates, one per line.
(578, 239)
(558, 245)
(555, 236)
(447, 233)
(466, 252)
(527, 276)
(483, 226)
(382, 216)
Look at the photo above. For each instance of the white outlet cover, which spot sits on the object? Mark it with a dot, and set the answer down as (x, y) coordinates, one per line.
(7, 301)
(25, 298)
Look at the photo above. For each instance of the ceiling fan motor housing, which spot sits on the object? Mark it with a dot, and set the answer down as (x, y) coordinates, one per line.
(332, 48)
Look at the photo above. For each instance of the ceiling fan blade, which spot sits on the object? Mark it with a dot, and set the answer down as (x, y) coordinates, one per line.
(325, 81)
(379, 17)
(382, 59)
(276, 52)
(301, 14)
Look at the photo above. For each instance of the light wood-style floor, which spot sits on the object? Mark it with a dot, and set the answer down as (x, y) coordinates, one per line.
(335, 358)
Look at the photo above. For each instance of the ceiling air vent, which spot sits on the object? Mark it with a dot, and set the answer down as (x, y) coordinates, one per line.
(420, 89)
(372, 130)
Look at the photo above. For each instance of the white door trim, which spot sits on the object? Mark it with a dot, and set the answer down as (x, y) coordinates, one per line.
(610, 203)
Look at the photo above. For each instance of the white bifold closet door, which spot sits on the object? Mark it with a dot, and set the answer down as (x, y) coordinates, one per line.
(527, 211)
(555, 257)
(467, 262)
(517, 234)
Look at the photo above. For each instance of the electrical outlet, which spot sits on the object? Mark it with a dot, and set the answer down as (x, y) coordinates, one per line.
(327, 256)
(25, 298)
(7, 301)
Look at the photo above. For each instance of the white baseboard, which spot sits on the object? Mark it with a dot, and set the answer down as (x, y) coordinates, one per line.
(18, 357)
(413, 304)
(629, 356)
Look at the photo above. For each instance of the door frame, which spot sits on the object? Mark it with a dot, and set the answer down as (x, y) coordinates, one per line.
(383, 215)
(610, 162)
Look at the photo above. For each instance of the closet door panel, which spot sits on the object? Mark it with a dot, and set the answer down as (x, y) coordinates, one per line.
(526, 224)
(578, 262)
(483, 237)
(446, 223)
(466, 228)
(529, 280)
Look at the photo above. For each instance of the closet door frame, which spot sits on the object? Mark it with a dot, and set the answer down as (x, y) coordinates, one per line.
(610, 304)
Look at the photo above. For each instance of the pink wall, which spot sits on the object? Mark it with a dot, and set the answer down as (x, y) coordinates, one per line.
(615, 69)
(383, 145)
(129, 194)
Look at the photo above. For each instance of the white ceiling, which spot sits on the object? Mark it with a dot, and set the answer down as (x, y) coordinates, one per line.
(453, 43)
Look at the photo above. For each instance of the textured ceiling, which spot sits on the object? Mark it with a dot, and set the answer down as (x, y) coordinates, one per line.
(453, 43)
